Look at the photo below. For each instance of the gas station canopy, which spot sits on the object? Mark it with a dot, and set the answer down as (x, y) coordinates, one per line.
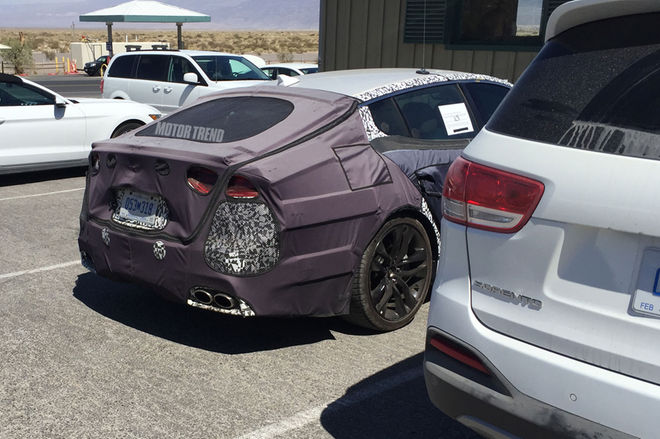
(145, 11)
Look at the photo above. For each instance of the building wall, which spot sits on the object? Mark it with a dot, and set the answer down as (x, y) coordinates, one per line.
(82, 53)
(369, 33)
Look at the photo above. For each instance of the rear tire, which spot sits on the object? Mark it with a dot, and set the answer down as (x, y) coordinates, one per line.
(124, 128)
(394, 276)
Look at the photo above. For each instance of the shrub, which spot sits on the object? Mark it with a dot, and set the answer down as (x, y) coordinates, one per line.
(19, 55)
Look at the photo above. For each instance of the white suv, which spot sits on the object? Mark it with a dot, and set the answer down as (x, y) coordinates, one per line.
(545, 315)
(168, 79)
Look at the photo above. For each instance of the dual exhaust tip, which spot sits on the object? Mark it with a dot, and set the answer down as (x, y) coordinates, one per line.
(210, 298)
(205, 298)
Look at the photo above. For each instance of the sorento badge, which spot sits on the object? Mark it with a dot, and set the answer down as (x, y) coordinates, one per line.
(510, 296)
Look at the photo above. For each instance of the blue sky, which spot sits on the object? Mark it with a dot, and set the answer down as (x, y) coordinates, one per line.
(225, 14)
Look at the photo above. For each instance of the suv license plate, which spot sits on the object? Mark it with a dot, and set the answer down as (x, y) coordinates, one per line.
(646, 298)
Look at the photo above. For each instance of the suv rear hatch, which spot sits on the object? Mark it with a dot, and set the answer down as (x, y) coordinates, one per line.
(582, 277)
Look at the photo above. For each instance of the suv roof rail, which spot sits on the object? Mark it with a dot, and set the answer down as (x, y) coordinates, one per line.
(137, 48)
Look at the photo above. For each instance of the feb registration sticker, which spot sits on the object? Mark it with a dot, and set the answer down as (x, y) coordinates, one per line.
(646, 299)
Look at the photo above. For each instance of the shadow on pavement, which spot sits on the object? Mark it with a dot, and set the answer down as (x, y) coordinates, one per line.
(393, 400)
(144, 310)
(37, 176)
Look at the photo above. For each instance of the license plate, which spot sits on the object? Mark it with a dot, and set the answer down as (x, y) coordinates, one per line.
(140, 210)
(646, 299)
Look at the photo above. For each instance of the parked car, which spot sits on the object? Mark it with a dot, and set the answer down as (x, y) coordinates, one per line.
(545, 314)
(168, 79)
(289, 69)
(98, 66)
(285, 201)
(41, 129)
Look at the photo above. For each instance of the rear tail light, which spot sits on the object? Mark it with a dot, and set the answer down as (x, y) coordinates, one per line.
(201, 180)
(459, 353)
(240, 187)
(487, 198)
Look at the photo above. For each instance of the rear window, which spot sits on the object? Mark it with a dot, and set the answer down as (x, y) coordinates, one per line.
(429, 113)
(122, 67)
(594, 87)
(222, 120)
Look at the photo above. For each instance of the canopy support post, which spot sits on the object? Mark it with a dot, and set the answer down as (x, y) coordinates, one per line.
(179, 38)
(108, 45)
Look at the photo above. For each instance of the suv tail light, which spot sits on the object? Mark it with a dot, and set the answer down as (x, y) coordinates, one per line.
(459, 353)
(201, 180)
(487, 198)
(240, 187)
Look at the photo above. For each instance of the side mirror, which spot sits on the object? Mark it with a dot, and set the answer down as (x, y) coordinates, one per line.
(60, 102)
(190, 78)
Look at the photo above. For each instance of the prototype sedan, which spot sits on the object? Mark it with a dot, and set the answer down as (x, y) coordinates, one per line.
(43, 130)
(318, 199)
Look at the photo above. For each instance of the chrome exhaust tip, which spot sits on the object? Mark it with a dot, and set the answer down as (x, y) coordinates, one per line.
(224, 301)
(202, 296)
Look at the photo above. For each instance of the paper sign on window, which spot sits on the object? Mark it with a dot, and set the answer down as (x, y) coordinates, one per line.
(456, 118)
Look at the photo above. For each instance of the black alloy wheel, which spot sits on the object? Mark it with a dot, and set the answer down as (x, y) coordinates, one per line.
(394, 276)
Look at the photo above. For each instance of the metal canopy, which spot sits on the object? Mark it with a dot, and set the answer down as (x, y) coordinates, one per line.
(145, 11)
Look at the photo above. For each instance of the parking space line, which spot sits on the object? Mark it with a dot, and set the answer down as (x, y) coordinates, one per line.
(39, 270)
(312, 415)
(19, 197)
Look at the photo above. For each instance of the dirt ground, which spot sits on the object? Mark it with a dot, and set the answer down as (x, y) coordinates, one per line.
(281, 44)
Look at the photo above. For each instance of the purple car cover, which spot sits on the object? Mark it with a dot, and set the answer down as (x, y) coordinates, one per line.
(320, 194)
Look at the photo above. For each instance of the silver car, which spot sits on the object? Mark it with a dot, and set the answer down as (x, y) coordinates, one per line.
(545, 314)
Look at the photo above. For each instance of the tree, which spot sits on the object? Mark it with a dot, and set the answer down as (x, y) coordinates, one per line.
(20, 55)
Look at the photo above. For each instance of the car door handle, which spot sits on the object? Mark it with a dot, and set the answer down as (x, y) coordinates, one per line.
(167, 90)
(156, 89)
(2, 121)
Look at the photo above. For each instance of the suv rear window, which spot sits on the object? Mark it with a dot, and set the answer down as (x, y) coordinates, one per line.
(122, 67)
(594, 87)
(222, 120)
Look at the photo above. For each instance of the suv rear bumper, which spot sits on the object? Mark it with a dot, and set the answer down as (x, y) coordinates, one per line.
(496, 415)
(536, 392)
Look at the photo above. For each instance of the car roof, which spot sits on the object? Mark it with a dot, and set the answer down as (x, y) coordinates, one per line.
(208, 52)
(368, 84)
(186, 52)
(293, 65)
(579, 12)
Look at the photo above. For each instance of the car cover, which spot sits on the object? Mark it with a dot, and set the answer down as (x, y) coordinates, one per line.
(323, 194)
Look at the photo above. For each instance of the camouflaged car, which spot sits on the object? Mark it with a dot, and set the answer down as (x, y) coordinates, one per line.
(319, 198)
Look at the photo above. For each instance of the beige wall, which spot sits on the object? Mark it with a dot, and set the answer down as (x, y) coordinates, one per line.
(86, 52)
(369, 33)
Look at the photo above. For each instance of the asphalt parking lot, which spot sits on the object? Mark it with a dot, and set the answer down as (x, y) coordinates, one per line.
(86, 357)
